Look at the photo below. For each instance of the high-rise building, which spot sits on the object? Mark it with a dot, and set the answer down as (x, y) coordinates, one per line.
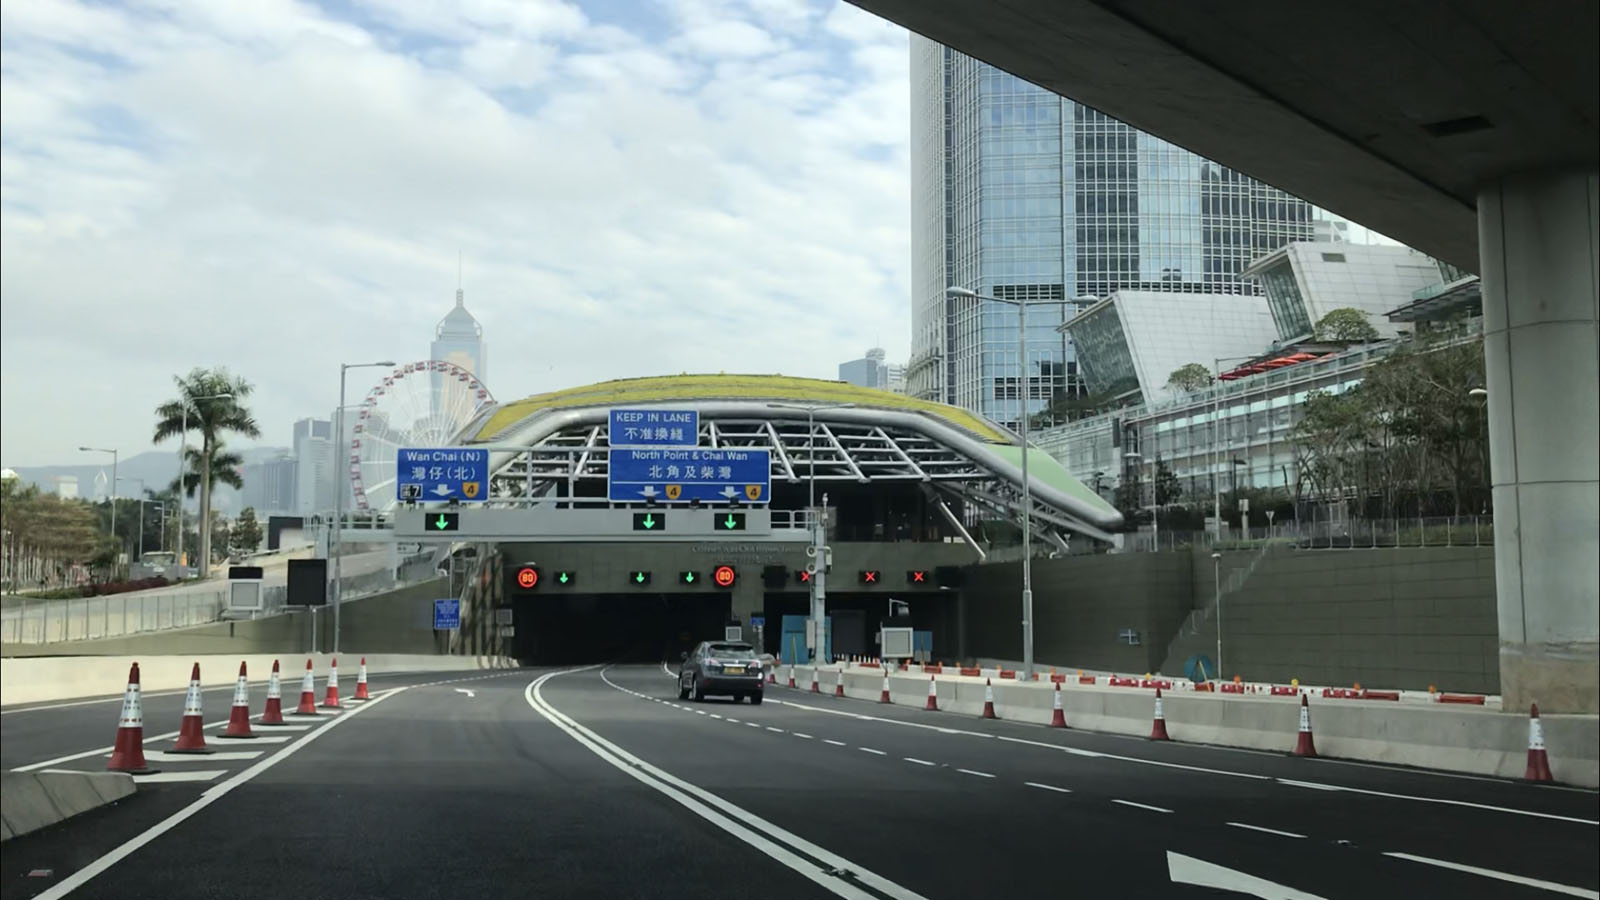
(313, 452)
(457, 339)
(269, 486)
(1021, 194)
(872, 371)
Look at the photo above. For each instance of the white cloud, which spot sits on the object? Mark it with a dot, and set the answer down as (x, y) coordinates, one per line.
(699, 187)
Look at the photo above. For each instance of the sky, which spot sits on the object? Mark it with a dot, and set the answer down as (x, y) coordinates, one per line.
(638, 187)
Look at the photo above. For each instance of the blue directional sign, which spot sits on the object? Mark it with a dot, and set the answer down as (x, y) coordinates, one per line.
(725, 475)
(758, 621)
(447, 614)
(442, 473)
(655, 427)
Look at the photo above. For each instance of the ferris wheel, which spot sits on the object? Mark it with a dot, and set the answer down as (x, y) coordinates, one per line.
(420, 404)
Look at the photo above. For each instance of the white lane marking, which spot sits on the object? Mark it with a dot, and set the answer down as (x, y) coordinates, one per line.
(703, 712)
(913, 759)
(716, 716)
(224, 756)
(872, 751)
(778, 730)
(975, 772)
(801, 734)
(1141, 806)
(103, 751)
(470, 693)
(279, 727)
(733, 720)
(1048, 787)
(1288, 834)
(1188, 870)
(833, 742)
(211, 795)
(1318, 786)
(1569, 890)
(783, 846)
(203, 775)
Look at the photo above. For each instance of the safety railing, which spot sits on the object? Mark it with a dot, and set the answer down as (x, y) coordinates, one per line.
(1428, 531)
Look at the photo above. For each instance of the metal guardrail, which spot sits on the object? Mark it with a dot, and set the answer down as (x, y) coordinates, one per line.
(118, 615)
(1432, 531)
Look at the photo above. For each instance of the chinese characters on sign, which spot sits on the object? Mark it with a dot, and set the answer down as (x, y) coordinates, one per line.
(442, 473)
(654, 428)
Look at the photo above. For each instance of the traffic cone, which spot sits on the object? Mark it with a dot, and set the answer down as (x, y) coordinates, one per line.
(988, 699)
(772, 675)
(273, 715)
(814, 688)
(1058, 718)
(933, 693)
(1305, 746)
(127, 754)
(361, 681)
(884, 696)
(1158, 725)
(331, 700)
(1538, 760)
(791, 675)
(239, 718)
(308, 694)
(190, 737)
(838, 685)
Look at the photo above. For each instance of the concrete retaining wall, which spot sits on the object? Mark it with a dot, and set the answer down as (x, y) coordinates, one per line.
(30, 801)
(1451, 738)
(42, 679)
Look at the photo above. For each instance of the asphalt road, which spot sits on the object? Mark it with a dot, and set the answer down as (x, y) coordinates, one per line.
(601, 783)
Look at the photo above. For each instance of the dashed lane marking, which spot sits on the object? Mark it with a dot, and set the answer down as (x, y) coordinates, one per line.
(872, 751)
(1048, 787)
(1287, 834)
(1141, 806)
(920, 762)
(975, 772)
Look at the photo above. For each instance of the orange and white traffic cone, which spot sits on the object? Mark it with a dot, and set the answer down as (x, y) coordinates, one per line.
(308, 693)
(191, 739)
(791, 674)
(933, 693)
(127, 754)
(239, 718)
(772, 675)
(1158, 725)
(815, 689)
(838, 684)
(331, 699)
(1305, 746)
(1538, 760)
(273, 715)
(988, 699)
(1058, 718)
(361, 681)
(883, 697)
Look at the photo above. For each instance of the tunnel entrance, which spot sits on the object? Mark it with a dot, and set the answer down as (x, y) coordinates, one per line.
(588, 628)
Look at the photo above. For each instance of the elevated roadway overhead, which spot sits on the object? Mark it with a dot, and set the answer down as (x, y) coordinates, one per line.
(1469, 130)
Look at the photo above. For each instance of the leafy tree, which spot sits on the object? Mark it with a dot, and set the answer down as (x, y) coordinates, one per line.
(245, 536)
(212, 419)
(1190, 377)
(1168, 489)
(46, 537)
(225, 465)
(1345, 325)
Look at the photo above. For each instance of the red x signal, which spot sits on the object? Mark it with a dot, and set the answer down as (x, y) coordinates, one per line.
(869, 576)
(918, 576)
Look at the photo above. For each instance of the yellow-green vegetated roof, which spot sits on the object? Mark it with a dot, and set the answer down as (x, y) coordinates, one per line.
(629, 391)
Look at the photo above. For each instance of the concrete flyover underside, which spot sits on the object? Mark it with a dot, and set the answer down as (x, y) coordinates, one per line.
(1393, 114)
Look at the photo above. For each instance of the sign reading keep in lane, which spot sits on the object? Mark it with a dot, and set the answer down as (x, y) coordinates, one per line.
(741, 475)
(654, 428)
(442, 473)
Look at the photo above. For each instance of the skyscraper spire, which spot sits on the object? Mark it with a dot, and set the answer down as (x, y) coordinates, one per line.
(461, 299)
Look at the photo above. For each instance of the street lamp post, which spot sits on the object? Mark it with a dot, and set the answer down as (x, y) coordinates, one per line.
(339, 469)
(818, 524)
(1216, 436)
(138, 552)
(1022, 428)
(1216, 580)
(183, 453)
(113, 498)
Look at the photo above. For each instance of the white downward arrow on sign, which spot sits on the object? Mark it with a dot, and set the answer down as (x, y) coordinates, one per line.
(442, 489)
(729, 492)
(465, 691)
(1188, 870)
(649, 490)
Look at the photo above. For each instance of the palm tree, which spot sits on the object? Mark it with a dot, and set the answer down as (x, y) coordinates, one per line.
(212, 418)
(225, 467)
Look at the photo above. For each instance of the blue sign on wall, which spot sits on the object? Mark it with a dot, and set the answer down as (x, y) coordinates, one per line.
(739, 474)
(654, 428)
(447, 614)
(442, 473)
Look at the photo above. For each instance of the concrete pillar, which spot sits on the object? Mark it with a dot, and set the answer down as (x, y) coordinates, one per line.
(1538, 239)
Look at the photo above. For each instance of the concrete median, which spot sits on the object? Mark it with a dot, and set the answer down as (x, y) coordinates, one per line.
(49, 678)
(30, 801)
(1457, 738)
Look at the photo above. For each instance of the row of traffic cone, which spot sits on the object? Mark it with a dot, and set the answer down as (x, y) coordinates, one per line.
(127, 754)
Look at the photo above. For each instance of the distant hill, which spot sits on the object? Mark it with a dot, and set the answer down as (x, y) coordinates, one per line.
(156, 467)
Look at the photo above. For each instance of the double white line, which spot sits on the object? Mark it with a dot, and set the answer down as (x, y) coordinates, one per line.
(838, 875)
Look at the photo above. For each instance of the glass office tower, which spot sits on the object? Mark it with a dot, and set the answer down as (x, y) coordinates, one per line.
(1019, 193)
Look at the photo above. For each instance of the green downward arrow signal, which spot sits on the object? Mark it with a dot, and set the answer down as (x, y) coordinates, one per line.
(730, 522)
(639, 577)
(649, 521)
(562, 578)
(441, 523)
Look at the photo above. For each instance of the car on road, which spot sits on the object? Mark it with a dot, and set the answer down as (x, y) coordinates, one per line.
(721, 667)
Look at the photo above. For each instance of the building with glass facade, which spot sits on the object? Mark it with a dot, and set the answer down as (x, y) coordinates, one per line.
(457, 339)
(1304, 282)
(873, 371)
(1020, 194)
